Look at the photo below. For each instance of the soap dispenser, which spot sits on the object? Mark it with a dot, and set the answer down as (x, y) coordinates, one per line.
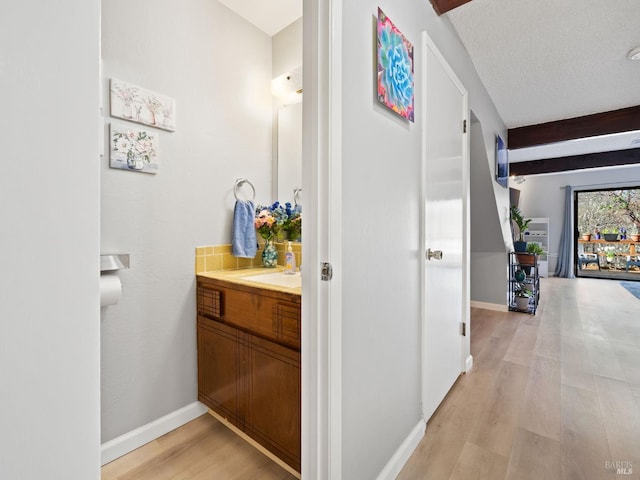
(289, 260)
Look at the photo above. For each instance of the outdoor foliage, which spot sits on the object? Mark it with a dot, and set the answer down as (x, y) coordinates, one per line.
(609, 210)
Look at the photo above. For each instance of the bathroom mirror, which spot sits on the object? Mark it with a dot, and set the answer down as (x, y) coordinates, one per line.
(289, 165)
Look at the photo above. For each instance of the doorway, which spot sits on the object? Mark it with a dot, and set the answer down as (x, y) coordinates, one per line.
(445, 229)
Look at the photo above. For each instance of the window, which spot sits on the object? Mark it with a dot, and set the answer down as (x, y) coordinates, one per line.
(608, 224)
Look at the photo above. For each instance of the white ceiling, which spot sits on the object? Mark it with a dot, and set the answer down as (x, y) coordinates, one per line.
(270, 16)
(545, 60)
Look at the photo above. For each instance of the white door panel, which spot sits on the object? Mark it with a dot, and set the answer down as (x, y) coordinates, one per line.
(445, 104)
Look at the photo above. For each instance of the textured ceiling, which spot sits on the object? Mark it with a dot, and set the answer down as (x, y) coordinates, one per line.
(545, 60)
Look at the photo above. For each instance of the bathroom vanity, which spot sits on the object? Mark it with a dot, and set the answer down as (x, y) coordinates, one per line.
(249, 355)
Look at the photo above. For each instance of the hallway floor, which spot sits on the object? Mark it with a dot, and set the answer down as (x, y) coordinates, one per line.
(551, 396)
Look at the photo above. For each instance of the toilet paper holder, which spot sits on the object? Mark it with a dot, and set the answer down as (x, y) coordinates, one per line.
(110, 286)
(113, 262)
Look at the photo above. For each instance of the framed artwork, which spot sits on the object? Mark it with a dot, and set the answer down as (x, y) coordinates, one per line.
(140, 105)
(395, 68)
(133, 149)
(502, 162)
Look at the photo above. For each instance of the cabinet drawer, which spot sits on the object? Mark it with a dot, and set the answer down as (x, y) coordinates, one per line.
(274, 317)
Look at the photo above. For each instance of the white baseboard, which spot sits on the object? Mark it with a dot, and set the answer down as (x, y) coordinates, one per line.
(395, 464)
(128, 442)
(468, 363)
(490, 306)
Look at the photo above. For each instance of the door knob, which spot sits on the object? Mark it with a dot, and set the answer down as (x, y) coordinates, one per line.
(435, 254)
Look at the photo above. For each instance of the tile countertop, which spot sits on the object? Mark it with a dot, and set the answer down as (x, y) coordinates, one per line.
(237, 276)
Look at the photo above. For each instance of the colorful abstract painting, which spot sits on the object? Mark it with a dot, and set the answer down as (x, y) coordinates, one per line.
(395, 68)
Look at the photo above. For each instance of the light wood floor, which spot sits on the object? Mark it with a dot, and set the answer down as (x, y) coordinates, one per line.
(203, 449)
(551, 396)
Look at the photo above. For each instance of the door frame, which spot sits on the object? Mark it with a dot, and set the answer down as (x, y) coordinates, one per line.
(466, 360)
(322, 186)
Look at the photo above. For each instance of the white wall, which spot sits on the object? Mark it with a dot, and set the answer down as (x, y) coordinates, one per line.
(287, 49)
(488, 252)
(49, 206)
(381, 188)
(218, 68)
(542, 196)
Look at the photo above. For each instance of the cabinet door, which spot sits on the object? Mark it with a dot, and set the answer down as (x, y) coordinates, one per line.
(273, 398)
(218, 369)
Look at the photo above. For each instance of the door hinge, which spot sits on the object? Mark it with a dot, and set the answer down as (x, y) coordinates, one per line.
(463, 329)
(326, 271)
(464, 126)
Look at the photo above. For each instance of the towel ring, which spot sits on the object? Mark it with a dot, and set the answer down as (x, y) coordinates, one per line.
(239, 183)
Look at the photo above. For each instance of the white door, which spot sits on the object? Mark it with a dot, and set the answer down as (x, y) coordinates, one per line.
(444, 181)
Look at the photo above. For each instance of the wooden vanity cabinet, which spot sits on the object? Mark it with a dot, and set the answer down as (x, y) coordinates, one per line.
(219, 369)
(249, 362)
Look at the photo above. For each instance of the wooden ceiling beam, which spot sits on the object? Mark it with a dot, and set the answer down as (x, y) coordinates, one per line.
(443, 6)
(576, 162)
(616, 121)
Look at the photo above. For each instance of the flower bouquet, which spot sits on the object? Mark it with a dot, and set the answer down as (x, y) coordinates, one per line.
(269, 222)
(293, 222)
(275, 221)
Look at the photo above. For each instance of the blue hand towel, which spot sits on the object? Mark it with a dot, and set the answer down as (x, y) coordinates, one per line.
(244, 243)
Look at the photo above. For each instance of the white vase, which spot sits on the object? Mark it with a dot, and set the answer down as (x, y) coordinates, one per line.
(135, 162)
(126, 110)
(522, 303)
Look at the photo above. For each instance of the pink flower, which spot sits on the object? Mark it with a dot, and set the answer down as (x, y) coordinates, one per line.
(264, 218)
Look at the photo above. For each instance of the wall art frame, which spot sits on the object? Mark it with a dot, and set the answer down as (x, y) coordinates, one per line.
(134, 149)
(137, 104)
(502, 162)
(395, 67)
